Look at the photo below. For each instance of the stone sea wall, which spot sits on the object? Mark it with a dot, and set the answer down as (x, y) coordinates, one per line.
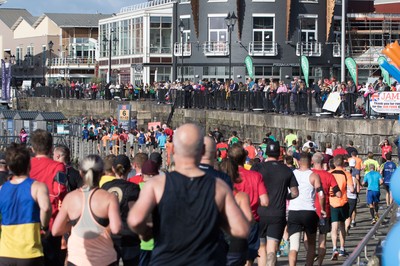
(366, 134)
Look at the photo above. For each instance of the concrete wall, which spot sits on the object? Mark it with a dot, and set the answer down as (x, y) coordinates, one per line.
(366, 134)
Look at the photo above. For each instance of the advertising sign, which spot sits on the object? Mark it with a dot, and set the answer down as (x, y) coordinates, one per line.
(305, 67)
(124, 115)
(153, 125)
(386, 102)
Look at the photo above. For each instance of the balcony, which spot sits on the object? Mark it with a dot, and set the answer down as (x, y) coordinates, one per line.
(187, 49)
(216, 48)
(308, 49)
(263, 49)
(64, 62)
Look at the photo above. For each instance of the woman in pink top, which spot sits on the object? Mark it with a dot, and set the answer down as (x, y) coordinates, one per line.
(91, 214)
(386, 148)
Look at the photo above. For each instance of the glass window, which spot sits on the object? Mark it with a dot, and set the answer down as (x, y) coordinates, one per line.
(161, 35)
(309, 29)
(263, 33)
(186, 29)
(217, 29)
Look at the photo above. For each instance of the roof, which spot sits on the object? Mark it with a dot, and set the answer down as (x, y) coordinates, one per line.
(8, 114)
(10, 15)
(65, 20)
(27, 115)
(53, 116)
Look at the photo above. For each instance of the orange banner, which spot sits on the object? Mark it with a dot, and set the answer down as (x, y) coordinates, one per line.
(330, 8)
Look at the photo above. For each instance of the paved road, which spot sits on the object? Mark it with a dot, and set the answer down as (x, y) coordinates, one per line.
(356, 234)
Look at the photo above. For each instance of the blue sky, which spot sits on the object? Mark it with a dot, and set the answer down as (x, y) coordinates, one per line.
(38, 7)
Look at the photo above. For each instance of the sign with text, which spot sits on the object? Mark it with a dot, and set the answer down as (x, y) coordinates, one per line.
(124, 115)
(385, 102)
(153, 125)
(333, 102)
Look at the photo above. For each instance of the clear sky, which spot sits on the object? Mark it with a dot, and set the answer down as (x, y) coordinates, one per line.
(38, 7)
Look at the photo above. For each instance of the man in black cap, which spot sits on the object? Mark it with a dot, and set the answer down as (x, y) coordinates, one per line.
(4, 173)
(277, 178)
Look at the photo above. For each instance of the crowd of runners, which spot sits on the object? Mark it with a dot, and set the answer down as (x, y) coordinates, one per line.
(221, 200)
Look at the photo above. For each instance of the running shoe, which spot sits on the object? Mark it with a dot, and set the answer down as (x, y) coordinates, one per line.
(335, 254)
(373, 221)
(353, 224)
(343, 253)
(278, 254)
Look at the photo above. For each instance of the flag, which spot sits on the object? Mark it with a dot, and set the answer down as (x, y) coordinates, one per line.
(3, 80)
(249, 64)
(305, 67)
(385, 74)
(352, 67)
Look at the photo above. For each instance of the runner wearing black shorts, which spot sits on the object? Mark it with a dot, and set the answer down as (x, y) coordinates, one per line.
(277, 178)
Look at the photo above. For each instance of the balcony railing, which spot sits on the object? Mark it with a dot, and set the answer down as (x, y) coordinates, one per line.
(263, 49)
(336, 52)
(187, 49)
(308, 49)
(72, 61)
(216, 48)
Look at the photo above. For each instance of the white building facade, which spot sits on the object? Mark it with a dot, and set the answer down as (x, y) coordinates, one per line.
(141, 41)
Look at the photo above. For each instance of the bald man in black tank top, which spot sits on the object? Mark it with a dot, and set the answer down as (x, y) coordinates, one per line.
(188, 209)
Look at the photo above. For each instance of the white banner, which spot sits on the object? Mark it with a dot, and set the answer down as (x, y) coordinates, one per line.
(333, 102)
(385, 102)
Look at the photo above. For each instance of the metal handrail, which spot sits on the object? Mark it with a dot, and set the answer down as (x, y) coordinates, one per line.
(355, 255)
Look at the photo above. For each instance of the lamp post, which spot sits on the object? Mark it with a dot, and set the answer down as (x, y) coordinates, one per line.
(109, 40)
(300, 45)
(181, 29)
(230, 22)
(50, 51)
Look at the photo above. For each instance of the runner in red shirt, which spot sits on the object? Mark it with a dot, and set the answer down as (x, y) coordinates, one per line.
(253, 185)
(222, 149)
(340, 150)
(52, 173)
(329, 186)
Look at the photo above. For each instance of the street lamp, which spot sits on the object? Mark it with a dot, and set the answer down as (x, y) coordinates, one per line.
(181, 29)
(230, 22)
(109, 40)
(50, 50)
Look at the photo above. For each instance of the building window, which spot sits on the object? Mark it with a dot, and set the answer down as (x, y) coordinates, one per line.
(184, 1)
(160, 35)
(264, 29)
(217, 30)
(308, 1)
(30, 54)
(124, 37)
(186, 30)
(138, 36)
(309, 28)
(263, 0)
(216, 1)
(160, 74)
(19, 55)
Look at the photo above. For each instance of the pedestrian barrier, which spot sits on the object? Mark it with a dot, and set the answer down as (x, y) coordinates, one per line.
(355, 256)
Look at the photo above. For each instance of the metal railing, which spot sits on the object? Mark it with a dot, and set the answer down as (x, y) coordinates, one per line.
(308, 49)
(302, 102)
(145, 5)
(263, 49)
(187, 49)
(216, 48)
(362, 245)
(72, 61)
